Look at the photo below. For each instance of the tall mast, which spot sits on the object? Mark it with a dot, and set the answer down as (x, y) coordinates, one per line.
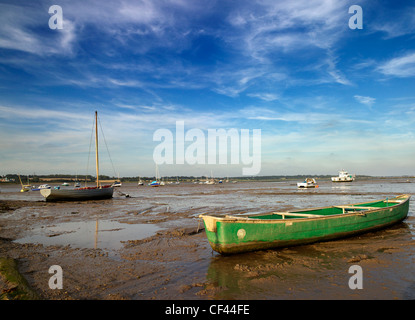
(96, 146)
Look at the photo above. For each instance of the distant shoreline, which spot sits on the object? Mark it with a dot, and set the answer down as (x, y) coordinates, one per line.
(11, 178)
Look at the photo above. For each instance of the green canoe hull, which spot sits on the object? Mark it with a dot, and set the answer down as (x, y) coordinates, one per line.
(232, 234)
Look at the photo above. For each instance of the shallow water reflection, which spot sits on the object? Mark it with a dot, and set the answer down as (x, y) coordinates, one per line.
(99, 234)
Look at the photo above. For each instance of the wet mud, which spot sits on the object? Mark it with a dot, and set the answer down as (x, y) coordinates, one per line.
(152, 245)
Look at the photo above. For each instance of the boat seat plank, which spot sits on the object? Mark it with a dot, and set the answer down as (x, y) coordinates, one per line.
(355, 207)
(303, 215)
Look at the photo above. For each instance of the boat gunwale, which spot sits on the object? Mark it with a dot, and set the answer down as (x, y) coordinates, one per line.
(251, 219)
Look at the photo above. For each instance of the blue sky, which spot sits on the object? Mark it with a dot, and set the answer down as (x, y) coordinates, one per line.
(325, 97)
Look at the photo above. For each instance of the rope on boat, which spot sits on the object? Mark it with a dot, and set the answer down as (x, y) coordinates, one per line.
(106, 146)
(89, 153)
(90, 145)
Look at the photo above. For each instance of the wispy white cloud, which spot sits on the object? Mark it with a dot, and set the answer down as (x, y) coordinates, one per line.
(20, 26)
(393, 28)
(264, 96)
(368, 101)
(403, 66)
(270, 32)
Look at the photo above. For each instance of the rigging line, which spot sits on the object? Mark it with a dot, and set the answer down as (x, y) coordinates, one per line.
(102, 131)
(89, 153)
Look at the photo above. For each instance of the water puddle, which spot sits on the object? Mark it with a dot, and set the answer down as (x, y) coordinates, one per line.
(99, 234)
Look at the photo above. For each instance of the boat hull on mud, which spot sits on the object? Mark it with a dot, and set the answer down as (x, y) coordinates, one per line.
(236, 234)
(80, 194)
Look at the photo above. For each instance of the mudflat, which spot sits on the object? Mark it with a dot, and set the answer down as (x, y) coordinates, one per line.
(152, 245)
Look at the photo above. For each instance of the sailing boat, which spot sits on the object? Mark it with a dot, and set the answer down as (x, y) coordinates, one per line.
(25, 187)
(211, 180)
(140, 182)
(87, 193)
(117, 183)
(156, 182)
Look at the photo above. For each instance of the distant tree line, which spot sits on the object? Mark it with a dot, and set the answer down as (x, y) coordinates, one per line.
(68, 178)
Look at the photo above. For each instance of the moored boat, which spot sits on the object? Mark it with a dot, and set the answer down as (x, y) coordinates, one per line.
(87, 193)
(154, 183)
(234, 234)
(117, 184)
(25, 187)
(343, 176)
(308, 183)
(43, 186)
(77, 194)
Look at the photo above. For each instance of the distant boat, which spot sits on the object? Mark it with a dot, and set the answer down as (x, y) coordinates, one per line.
(65, 184)
(211, 180)
(344, 176)
(43, 186)
(117, 184)
(25, 187)
(140, 182)
(157, 182)
(77, 184)
(308, 183)
(234, 234)
(154, 183)
(87, 193)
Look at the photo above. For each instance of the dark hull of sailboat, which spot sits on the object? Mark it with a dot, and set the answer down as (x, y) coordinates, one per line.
(77, 194)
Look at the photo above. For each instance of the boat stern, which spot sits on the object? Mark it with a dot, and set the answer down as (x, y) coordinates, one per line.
(45, 192)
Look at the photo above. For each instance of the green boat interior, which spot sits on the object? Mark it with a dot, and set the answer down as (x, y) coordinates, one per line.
(360, 208)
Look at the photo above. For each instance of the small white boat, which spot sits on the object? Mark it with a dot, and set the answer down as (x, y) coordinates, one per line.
(43, 186)
(308, 183)
(117, 184)
(211, 180)
(344, 176)
(140, 182)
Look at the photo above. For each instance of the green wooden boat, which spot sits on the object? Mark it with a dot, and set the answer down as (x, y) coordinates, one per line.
(234, 234)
